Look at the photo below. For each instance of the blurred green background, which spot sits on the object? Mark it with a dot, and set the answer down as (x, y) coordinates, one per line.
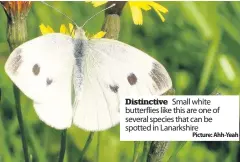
(198, 44)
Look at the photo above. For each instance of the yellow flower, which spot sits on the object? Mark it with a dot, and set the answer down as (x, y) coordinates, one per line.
(68, 31)
(99, 34)
(45, 29)
(98, 3)
(137, 7)
(64, 30)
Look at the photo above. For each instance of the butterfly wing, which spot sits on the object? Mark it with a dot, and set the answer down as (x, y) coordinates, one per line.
(110, 71)
(42, 69)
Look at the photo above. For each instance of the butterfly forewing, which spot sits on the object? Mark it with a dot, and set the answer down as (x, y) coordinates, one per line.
(42, 70)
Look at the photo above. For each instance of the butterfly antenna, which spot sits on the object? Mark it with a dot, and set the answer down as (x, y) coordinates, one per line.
(45, 3)
(97, 14)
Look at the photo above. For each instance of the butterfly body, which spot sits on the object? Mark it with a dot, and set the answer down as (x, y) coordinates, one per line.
(100, 71)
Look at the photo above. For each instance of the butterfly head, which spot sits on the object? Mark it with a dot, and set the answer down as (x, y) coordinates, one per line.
(80, 33)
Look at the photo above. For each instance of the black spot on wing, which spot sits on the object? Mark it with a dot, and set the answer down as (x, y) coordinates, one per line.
(16, 61)
(132, 79)
(49, 81)
(158, 77)
(114, 88)
(36, 69)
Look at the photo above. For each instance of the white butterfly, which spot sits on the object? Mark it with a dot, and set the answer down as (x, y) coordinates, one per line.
(101, 71)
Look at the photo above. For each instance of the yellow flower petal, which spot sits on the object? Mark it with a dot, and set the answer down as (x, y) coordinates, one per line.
(160, 15)
(63, 29)
(142, 5)
(50, 30)
(158, 7)
(45, 30)
(71, 29)
(137, 7)
(99, 34)
(98, 3)
(136, 14)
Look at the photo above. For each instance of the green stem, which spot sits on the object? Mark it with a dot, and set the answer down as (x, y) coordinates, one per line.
(176, 150)
(20, 121)
(89, 140)
(111, 23)
(15, 38)
(208, 65)
(158, 148)
(38, 152)
(146, 147)
(16, 35)
(98, 146)
(63, 145)
(17, 32)
(157, 151)
(111, 26)
(136, 150)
